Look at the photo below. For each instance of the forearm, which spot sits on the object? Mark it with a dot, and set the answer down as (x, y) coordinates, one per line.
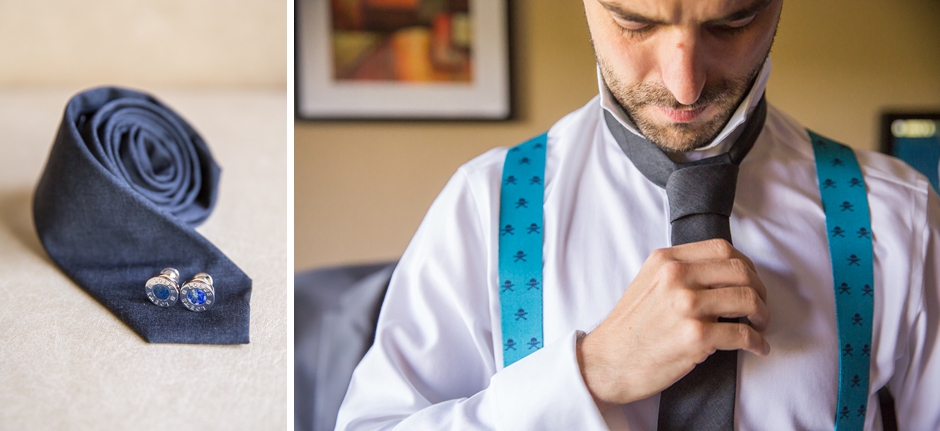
(541, 391)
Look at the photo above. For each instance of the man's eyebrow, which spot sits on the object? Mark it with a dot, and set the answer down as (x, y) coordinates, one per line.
(750, 10)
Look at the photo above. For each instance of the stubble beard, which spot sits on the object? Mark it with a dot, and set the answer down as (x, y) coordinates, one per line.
(725, 94)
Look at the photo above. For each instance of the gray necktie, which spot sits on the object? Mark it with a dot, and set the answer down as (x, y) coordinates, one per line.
(701, 196)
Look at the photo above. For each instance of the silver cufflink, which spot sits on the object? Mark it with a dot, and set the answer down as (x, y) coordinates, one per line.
(198, 294)
(163, 290)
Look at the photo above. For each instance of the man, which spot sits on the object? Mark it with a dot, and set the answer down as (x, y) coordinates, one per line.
(628, 314)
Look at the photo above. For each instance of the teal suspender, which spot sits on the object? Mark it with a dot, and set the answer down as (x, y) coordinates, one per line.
(520, 249)
(848, 223)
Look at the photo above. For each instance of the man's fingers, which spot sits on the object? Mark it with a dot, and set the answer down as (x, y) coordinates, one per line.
(730, 302)
(705, 274)
(711, 249)
(734, 336)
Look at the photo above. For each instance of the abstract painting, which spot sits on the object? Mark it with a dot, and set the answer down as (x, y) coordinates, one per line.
(402, 59)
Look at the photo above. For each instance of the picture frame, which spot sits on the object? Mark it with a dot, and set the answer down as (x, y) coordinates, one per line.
(402, 60)
(914, 137)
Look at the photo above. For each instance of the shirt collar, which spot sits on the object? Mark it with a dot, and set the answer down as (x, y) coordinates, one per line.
(721, 142)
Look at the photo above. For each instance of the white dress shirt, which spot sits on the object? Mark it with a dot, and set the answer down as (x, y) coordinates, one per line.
(437, 359)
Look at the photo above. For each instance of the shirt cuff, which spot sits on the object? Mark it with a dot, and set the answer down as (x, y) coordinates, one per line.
(545, 391)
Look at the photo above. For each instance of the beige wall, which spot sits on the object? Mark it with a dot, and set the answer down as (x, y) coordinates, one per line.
(361, 188)
(839, 63)
(143, 43)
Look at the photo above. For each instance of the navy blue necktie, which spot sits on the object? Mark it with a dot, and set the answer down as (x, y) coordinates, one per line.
(701, 196)
(126, 181)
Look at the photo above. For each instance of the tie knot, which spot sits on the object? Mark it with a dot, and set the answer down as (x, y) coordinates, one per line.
(702, 189)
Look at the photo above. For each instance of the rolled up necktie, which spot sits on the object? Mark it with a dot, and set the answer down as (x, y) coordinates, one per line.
(126, 181)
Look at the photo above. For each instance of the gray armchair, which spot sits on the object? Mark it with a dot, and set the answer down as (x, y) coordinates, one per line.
(335, 312)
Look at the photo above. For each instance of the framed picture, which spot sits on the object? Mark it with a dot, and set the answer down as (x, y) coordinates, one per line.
(914, 137)
(402, 59)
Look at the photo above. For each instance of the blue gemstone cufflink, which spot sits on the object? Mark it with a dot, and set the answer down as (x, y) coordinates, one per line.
(198, 294)
(163, 290)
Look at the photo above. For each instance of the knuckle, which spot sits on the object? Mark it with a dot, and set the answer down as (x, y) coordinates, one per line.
(673, 272)
(685, 302)
(748, 336)
(660, 255)
(748, 261)
(749, 297)
(722, 247)
(751, 309)
(708, 351)
(694, 333)
(738, 266)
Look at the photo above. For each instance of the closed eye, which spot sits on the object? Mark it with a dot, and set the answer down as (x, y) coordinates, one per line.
(634, 27)
(636, 30)
(733, 27)
(738, 23)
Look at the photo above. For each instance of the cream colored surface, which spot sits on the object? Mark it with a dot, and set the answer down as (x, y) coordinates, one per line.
(143, 42)
(67, 363)
(361, 188)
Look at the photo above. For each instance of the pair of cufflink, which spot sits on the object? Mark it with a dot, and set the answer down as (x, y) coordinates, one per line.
(196, 295)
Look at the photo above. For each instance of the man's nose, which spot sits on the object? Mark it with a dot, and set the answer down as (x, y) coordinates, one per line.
(682, 66)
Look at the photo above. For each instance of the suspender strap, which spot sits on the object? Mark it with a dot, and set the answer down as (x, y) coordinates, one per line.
(848, 223)
(520, 249)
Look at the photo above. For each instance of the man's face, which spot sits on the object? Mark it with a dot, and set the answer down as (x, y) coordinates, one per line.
(680, 68)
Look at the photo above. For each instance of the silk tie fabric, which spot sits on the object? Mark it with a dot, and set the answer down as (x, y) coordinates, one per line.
(126, 181)
(701, 197)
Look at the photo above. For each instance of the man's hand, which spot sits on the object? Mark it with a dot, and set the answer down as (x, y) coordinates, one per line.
(667, 321)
